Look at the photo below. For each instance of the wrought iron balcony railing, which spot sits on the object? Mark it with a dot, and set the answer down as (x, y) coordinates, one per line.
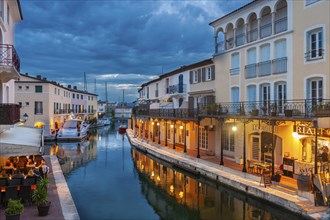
(9, 114)
(282, 109)
(178, 88)
(9, 56)
(314, 54)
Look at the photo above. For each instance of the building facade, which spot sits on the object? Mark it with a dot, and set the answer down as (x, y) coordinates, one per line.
(48, 104)
(10, 14)
(265, 97)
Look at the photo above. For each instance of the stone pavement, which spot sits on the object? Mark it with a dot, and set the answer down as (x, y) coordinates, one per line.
(62, 206)
(244, 182)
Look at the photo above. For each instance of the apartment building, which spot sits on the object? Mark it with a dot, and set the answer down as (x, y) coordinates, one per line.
(268, 98)
(48, 103)
(272, 59)
(10, 14)
(167, 113)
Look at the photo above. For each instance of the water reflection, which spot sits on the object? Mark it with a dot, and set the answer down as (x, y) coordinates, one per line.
(178, 195)
(74, 154)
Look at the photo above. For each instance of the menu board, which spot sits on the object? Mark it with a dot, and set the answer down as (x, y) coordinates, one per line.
(266, 178)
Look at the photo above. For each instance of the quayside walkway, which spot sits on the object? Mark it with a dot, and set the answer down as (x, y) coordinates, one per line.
(232, 175)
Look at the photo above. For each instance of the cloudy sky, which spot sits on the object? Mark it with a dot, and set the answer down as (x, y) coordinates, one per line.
(123, 43)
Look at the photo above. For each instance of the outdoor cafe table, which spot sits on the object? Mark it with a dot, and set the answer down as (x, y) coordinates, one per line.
(262, 166)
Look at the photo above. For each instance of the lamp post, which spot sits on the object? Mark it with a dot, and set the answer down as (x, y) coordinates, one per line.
(244, 149)
(153, 130)
(165, 133)
(185, 139)
(174, 131)
(158, 132)
(221, 142)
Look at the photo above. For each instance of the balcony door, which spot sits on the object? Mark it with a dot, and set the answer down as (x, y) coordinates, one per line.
(181, 83)
(265, 96)
(256, 152)
(280, 95)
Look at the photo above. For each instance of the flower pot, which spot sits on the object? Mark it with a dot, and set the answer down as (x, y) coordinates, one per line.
(288, 113)
(277, 178)
(304, 183)
(13, 217)
(43, 210)
(255, 112)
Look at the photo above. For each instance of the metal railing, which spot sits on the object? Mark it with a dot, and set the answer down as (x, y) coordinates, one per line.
(314, 54)
(251, 71)
(280, 65)
(9, 56)
(265, 30)
(253, 35)
(9, 114)
(240, 39)
(178, 88)
(281, 25)
(281, 109)
(264, 68)
(234, 71)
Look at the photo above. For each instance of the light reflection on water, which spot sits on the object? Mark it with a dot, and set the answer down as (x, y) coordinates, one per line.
(110, 180)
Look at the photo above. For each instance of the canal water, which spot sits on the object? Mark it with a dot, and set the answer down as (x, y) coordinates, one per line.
(109, 179)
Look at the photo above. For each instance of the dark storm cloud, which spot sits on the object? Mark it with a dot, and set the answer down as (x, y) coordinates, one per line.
(134, 39)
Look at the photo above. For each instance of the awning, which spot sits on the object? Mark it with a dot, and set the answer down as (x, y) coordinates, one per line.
(20, 140)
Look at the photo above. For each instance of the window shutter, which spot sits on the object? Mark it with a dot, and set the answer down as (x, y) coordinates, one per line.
(199, 75)
(191, 102)
(191, 77)
(203, 74)
(213, 72)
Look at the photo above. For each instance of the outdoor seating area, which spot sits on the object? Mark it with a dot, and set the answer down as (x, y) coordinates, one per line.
(19, 177)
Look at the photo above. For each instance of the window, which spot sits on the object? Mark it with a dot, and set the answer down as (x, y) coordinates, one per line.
(27, 103)
(19, 87)
(2, 9)
(280, 61)
(20, 104)
(315, 89)
(147, 92)
(38, 108)
(27, 87)
(208, 74)
(77, 96)
(89, 98)
(195, 79)
(81, 97)
(234, 64)
(280, 95)
(156, 91)
(55, 92)
(314, 44)
(73, 95)
(309, 2)
(228, 139)
(38, 89)
(203, 138)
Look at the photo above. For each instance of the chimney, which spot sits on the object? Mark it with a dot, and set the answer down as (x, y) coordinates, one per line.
(69, 86)
(44, 78)
(26, 74)
(75, 87)
(38, 76)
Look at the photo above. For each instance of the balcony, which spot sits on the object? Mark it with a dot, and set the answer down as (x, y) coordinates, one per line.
(278, 109)
(178, 88)
(280, 65)
(9, 114)
(251, 71)
(253, 35)
(9, 63)
(234, 71)
(264, 68)
(265, 30)
(281, 25)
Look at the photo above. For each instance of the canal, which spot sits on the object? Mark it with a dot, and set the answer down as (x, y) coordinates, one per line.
(109, 179)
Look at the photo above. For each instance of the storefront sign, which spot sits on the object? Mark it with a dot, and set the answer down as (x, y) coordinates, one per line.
(322, 132)
(264, 128)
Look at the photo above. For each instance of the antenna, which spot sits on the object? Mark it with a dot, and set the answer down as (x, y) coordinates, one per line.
(95, 85)
(85, 82)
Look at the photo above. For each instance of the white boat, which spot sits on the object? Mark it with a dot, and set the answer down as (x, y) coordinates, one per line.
(105, 121)
(73, 130)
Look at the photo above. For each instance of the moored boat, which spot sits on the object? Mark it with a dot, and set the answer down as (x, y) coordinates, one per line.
(122, 129)
(73, 130)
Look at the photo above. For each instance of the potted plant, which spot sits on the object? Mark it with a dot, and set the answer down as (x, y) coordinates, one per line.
(40, 197)
(255, 112)
(14, 210)
(277, 176)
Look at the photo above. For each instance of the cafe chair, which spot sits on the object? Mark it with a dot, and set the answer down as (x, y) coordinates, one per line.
(251, 166)
(30, 180)
(3, 182)
(15, 182)
(25, 194)
(11, 193)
